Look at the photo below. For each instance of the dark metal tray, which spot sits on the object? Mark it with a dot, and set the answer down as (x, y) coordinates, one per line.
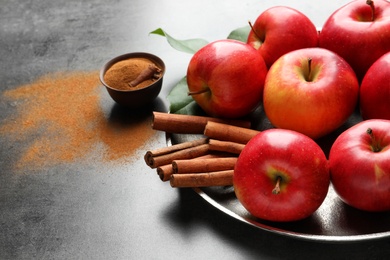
(334, 221)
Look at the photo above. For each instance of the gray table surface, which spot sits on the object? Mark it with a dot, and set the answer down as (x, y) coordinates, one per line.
(91, 210)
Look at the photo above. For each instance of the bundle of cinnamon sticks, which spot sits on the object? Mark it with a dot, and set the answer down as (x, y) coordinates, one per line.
(204, 162)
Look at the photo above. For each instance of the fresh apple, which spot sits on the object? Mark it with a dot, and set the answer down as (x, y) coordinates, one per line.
(226, 78)
(375, 90)
(359, 32)
(279, 30)
(312, 91)
(359, 162)
(281, 175)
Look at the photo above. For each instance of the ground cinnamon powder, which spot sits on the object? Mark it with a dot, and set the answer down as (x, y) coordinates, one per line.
(120, 74)
(59, 118)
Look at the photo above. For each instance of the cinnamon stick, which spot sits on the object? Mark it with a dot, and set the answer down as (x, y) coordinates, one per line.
(225, 132)
(216, 154)
(173, 148)
(225, 146)
(188, 124)
(165, 171)
(149, 73)
(191, 152)
(197, 165)
(219, 178)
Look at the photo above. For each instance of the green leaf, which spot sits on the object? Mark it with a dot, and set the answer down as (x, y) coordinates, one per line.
(180, 102)
(191, 109)
(189, 46)
(178, 97)
(240, 34)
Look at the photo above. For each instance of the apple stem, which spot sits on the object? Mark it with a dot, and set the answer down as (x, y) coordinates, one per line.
(371, 4)
(309, 77)
(253, 30)
(276, 190)
(190, 93)
(375, 146)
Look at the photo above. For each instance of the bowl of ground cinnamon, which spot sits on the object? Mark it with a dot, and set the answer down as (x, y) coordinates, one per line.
(133, 79)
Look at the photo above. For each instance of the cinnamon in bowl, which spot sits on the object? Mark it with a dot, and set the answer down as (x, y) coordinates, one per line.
(133, 79)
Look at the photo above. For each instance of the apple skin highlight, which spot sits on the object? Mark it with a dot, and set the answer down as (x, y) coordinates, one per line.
(360, 165)
(297, 160)
(226, 78)
(374, 92)
(274, 37)
(351, 33)
(317, 106)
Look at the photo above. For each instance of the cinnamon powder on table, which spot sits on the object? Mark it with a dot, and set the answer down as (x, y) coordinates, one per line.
(59, 119)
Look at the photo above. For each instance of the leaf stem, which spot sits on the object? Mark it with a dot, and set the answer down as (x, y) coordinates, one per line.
(309, 76)
(276, 189)
(191, 93)
(374, 143)
(371, 4)
(253, 30)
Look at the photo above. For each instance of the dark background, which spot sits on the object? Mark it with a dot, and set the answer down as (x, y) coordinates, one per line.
(90, 210)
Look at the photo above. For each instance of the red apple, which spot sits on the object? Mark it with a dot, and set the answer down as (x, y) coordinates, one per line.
(312, 91)
(359, 32)
(281, 175)
(226, 78)
(375, 90)
(279, 30)
(359, 163)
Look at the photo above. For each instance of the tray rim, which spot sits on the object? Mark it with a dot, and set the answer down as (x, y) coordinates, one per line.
(282, 232)
(292, 234)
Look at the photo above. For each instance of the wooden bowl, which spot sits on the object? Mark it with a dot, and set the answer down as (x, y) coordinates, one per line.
(134, 97)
